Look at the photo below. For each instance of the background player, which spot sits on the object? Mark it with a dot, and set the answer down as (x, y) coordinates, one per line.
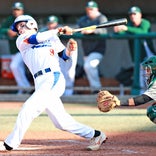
(138, 25)
(17, 65)
(93, 49)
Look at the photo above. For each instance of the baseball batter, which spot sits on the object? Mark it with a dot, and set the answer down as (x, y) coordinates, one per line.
(41, 52)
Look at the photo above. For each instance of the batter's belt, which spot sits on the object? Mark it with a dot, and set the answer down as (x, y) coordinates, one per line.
(47, 70)
(41, 72)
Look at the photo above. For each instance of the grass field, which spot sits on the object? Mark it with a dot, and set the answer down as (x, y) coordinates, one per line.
(129, 132)
(118, 120)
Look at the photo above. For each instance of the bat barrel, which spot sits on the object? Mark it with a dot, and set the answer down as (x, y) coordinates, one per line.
(103, 25)
(113, 23)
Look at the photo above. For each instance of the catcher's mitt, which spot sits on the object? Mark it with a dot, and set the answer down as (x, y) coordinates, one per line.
(106, 101)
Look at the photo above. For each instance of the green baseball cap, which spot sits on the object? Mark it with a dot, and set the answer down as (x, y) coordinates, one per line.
(18, 5)
(52, 19)
(92, 4)
(134, 9)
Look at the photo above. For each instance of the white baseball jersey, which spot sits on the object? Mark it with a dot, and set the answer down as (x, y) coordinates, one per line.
(42, 55)
(151, 90)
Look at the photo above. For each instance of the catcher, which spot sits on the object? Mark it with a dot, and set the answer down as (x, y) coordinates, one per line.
(106, 101)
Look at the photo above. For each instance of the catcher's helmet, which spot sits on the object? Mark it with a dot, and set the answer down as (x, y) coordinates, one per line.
(151, 113)
(30, 22)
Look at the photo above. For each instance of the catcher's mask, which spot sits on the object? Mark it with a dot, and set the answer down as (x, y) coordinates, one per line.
(147, 72)
(149, 67)
(151, 113)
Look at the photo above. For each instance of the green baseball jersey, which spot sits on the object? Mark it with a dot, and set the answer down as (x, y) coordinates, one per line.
(5, 26)
(143, 28)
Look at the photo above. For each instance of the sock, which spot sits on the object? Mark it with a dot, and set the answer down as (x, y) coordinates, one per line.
(97, 133)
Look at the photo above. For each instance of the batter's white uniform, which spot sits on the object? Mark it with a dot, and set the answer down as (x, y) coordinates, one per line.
(42, 59)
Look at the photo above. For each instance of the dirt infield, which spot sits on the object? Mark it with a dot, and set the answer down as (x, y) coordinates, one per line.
(65, 144)
(58, 143)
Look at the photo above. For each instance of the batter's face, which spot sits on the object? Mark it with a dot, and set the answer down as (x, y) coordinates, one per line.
(21, 27)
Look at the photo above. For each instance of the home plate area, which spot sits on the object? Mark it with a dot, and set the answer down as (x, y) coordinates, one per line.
(76, 147)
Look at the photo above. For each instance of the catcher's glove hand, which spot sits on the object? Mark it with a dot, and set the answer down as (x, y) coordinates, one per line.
(106, 101)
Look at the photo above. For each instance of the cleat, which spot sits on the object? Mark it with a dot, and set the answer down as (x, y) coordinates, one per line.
(96, 142)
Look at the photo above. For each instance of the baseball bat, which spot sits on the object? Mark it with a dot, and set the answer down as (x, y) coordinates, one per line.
(103, 25)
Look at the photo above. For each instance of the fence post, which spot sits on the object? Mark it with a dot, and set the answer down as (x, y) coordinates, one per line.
(136, 85)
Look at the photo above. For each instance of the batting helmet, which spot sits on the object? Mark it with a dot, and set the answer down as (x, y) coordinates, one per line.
(151, 113)
(30, 22)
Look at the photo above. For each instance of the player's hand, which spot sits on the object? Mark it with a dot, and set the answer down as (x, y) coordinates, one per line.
(71, 46)
(120, 28)
(66, 30)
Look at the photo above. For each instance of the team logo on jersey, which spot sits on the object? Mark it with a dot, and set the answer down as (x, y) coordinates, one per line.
(52, 52)
(26, 40)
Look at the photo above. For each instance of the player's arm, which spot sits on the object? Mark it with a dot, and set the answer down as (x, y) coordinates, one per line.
(138, 100)
(63, 55)
(46, 35)
(102, 19)
(71, 47)
(143, 28)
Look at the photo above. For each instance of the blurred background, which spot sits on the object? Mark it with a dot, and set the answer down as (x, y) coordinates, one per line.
(117, 53)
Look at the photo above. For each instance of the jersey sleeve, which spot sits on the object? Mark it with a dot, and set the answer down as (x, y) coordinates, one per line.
(29, 40)
(46, 35)
(143, 28)
(22, 42)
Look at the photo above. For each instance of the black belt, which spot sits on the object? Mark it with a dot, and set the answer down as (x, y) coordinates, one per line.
(40, 72)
